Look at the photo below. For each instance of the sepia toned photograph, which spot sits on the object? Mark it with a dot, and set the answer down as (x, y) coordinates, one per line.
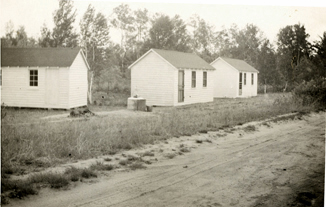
(162, 103)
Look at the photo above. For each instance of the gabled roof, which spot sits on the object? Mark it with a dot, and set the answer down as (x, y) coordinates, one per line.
(239, 65)
(39, 57)
(180, 60)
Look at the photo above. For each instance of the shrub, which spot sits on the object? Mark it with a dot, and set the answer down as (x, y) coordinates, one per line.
(124, 162)
(53, 179)
(21, 190)
(148, 153)
(184, 149)
(199, 141)
(136, 165)
(74, 173)
(249, 128)
(58, 181)
(107, 159)
(311, 93)
(101, 166)
(88, 173)
(170, 155)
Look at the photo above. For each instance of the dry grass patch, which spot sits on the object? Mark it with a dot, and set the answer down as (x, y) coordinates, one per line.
(101, 167)
(249, 128)
(24, 142)
(137, 165)
(148, 153)
(170, 155)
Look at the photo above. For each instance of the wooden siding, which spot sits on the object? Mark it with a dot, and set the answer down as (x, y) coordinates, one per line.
(153, 79)
(78, 82)
(199, 94)
(249, 90)
(226, 80)
(16, 91)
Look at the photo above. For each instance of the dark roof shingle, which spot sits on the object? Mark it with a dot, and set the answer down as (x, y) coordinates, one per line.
(240, 65)
(182, 60)
(38, 57)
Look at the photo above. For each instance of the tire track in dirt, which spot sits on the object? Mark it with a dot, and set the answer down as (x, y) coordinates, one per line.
(191, 171)
(211, 177)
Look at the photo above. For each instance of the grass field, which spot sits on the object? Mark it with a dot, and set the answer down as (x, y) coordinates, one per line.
(29, 143)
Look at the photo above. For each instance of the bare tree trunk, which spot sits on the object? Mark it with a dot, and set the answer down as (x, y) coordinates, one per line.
(265, 87)
(90, 88)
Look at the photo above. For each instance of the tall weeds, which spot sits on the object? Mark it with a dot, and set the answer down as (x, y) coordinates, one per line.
(25, 144)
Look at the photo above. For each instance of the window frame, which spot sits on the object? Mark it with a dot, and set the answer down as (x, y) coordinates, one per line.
(33, 78)
(193, 79)
(244, 79)
(205, 79)
(252, 78)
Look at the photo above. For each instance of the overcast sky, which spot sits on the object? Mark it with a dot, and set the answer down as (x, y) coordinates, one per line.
(269, 17)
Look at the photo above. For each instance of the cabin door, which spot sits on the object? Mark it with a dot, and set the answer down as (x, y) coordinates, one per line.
(181, 86)
(240, 84)
(52, 87)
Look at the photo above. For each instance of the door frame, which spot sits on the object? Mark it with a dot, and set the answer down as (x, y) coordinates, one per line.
(240, 83)
(181, 86)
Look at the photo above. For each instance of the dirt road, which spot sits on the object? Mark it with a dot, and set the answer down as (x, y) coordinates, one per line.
(276, 164)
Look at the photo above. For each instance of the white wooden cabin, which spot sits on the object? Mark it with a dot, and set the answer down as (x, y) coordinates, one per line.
(234, 78)
(44, 77)
(171, 78)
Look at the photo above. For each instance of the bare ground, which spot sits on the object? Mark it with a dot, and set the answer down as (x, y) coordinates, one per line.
(273, 164)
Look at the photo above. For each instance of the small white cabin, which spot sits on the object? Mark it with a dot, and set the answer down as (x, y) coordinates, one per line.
(44, 77)
(234, 78)
(171, 78)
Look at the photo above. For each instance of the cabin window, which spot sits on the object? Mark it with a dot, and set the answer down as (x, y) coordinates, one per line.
(204, 79)
(33, 78)
(252, 79)
(244, 78)
(193, 79)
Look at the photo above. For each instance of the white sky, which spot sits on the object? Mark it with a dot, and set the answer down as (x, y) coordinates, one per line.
(269, 17)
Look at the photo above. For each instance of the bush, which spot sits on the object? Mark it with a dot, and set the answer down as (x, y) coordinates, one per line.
(87, 173)
(101, 167)
(135, 166)
(311, 93)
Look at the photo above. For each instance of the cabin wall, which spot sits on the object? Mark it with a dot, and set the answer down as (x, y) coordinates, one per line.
(153, 79)
(249, 89)
(198, 94)
(226, 80)
(51, 92)
(78, 82)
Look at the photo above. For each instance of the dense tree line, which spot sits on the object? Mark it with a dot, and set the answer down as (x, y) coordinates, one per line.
(292, 61)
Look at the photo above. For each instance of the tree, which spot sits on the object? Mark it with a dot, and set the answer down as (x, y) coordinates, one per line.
(123, 21)
(241, 44)
(170, 34)
(203, 38)
(266, 64)
(17, 38)
(181, 38)
(94, 39)
(63, 33)
(319, 58)
(46, 39)
(8, 40)
(292, 47)
(21, 38)
(141, 20)
(86, 24)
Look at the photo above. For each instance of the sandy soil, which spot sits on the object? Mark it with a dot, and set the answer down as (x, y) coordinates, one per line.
(274, 164)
